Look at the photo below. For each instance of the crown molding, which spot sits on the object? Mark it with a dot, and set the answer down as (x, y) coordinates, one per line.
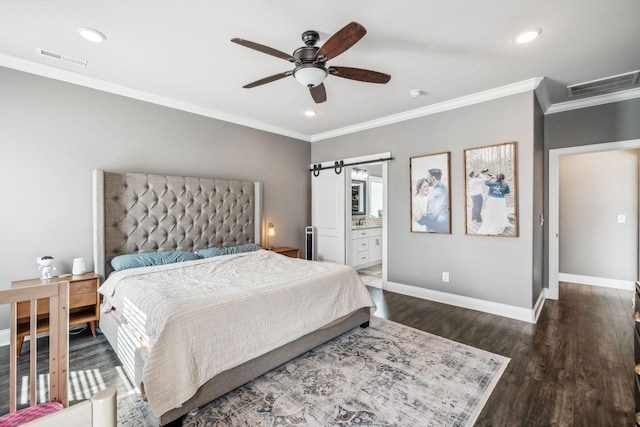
(533, 84)
(104, 86)
(488, 95)
(594, 101)
(543, 97)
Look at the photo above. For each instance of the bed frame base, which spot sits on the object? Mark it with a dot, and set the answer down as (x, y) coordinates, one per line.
(235, 377)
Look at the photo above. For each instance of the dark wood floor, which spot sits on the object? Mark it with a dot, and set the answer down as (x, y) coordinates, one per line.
(573, 368)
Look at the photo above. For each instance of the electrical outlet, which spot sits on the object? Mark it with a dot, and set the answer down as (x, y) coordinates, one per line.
(445, 276)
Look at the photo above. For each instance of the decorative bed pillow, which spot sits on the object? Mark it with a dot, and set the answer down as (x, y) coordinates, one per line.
(211, 252)
(122, 262)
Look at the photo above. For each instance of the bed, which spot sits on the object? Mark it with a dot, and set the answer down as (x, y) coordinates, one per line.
(188, 332)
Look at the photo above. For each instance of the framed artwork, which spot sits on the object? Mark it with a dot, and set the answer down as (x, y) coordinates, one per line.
(430, 195)
(491, 202)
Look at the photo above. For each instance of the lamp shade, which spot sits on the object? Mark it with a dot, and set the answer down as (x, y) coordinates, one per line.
(271, 231)
(310, 75)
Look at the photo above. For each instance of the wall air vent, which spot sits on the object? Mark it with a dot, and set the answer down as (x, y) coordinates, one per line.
(63, 58)
(609, 84)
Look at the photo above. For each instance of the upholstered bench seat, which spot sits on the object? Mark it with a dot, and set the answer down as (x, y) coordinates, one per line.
(28, 414)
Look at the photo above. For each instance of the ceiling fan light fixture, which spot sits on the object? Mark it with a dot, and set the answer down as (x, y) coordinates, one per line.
(527, 35)
(310, 113)
(92, 35)
(310, 75)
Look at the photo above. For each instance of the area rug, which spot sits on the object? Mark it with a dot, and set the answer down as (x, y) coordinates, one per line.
(385, 375)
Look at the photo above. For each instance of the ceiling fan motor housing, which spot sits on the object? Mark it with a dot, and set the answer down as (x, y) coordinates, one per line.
(310, 38)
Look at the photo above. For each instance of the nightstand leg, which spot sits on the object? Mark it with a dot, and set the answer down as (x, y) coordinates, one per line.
(92, 326)
(19, 343)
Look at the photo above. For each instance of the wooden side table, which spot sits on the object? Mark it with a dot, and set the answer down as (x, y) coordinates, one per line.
(84, 304)
(290, 252)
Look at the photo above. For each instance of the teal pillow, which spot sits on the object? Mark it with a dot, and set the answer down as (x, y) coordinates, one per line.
(211, 252)
(122, 262)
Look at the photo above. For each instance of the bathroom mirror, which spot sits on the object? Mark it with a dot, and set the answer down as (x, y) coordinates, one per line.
(358, 197)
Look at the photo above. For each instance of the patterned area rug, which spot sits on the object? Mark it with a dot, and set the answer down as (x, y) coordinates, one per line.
(385, 375)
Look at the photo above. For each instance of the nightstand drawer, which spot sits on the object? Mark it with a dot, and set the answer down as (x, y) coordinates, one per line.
(82, 300)
(83, 287)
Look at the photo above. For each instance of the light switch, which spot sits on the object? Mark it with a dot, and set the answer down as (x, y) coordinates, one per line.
(622, 219)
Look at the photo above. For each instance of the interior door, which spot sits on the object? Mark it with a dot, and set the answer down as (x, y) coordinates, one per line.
(328, 207)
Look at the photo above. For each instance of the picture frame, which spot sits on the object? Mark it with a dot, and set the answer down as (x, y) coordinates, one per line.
(430, 201)
(491, 194)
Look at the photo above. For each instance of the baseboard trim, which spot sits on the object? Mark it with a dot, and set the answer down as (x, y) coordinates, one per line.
(627, 285)
(537, 308)
(513, 312)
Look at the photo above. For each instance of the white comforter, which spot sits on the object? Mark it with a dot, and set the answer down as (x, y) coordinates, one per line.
(198, 318)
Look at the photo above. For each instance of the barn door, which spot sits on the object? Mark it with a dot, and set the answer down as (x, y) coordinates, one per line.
(328, 208)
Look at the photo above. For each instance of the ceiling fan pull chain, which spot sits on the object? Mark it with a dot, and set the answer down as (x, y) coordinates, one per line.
(338, 167)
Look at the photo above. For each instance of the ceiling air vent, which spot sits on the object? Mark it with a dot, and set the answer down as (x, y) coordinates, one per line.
(63, 58)
(609, 84)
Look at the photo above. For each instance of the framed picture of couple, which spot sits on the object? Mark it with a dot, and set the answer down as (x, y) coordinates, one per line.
(430, 193)
(490, 191)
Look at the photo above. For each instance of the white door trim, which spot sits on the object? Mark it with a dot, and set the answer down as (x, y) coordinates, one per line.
(554, 201)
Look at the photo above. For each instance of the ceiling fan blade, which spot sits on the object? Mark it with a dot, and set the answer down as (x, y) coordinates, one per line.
(341, 41)
(264, 49)
(268, 79)
(359, 74)
(318, 93)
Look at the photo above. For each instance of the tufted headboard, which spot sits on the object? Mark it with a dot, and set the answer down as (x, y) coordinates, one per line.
(138, 213)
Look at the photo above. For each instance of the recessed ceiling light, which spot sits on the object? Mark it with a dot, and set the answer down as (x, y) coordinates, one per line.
(310, 113)
(527, 35)
(92, 35)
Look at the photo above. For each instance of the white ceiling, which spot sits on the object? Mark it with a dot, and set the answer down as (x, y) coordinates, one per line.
(179, 54)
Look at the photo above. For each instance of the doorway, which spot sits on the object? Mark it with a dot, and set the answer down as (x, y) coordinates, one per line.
(346, 217)
(365, 226)
(552, 292)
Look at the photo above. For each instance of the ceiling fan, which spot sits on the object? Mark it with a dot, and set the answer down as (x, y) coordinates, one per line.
(310, 61)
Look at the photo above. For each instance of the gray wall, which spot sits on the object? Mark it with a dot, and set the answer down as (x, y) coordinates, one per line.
(489, 268)
(54, 134)
(594, 189)
(619, 121)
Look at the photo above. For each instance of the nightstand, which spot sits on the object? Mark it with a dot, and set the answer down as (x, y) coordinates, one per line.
(290, 252)
(84, 304)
